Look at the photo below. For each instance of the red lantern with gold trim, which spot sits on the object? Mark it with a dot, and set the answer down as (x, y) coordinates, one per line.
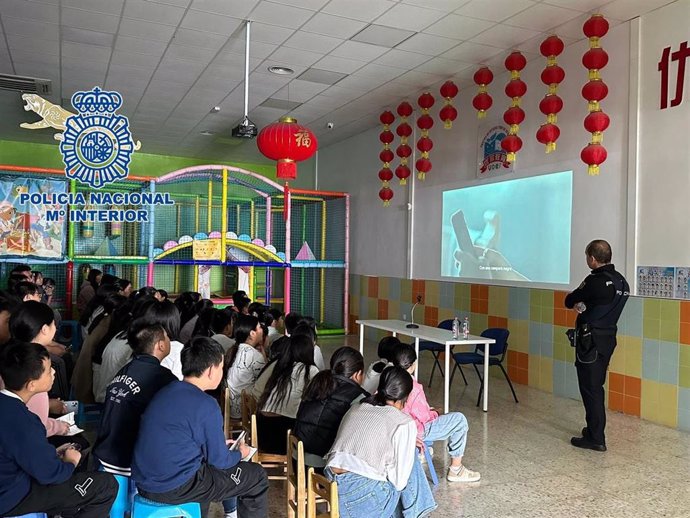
(482, 101)
(514, 115)
(548, 134)
(386, 195)
(403, 173)
(595, 58)
(552, 76)
(386, 156)
(449, 90)
(511, 144)
(425, 122)
(596, 123)
(593, 155)
(550, 105)
(385, 175)
(287, 142)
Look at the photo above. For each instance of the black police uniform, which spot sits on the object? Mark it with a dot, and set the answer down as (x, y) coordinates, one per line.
(604, 293)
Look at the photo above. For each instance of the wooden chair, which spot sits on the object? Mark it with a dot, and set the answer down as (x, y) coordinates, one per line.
(229, 423)
(320, 486)
(269, 461)
(249, 405)
(296, 478)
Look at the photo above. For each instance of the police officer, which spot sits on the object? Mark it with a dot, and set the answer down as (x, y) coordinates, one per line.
(599, 301)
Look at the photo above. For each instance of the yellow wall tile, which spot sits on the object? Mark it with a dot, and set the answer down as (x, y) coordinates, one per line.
(519, 335)
(394, 309)
(446, 313)
(618, 360)
(433, 293)
(633, 356)
(649, 403)
(534, 370)
(668, 405)
(546, 374)
(498, 301)
(383, 287)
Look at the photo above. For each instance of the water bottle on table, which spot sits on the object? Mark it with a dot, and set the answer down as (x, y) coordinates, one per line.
(456, 328)
(466, 328)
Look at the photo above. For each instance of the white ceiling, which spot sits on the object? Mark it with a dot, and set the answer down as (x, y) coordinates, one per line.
(174, 60)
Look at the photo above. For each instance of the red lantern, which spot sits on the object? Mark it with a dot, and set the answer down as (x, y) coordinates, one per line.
(596, 26)
(403, 173)
(596, 123)
(385, 174)
(593, 155)
(423, 166)
(552, 75)
(448, 114)
(386, 195)
(425, 145)
(386, 137)
(551, 104)
(595, 58)
(514, 115)
(449, 90)
(548, 134)
(426, 101)
(551, 46)
(595, 91)
(404, 152)
(387, 118)
(405, 109)
(516, 88)
(515, 61)
(482, 101)
(404, 130)
(288, 143)
(386, 156)
(425, 122)
(511, 144)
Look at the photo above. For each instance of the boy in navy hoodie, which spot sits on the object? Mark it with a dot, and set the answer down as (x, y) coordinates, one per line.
(128, 395)
(34, 476)
(181, 454)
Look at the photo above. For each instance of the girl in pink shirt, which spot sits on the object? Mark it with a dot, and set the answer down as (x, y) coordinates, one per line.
(434, 427)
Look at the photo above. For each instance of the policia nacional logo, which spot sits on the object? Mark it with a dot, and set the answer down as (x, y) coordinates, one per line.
(97, 145)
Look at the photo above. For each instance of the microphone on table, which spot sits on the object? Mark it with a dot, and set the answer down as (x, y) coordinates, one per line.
(413, 325)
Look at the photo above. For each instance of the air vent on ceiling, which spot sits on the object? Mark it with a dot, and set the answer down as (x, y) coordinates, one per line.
(26, 84)
(280, 104)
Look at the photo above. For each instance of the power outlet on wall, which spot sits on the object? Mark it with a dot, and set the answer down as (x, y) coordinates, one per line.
(404, 316)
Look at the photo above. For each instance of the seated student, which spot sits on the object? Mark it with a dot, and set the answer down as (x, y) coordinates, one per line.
(307, 326)
(275, 320)
(282, 393)
(374, 459)
(82, 376)
(34, 476)
(88, 289)
(129, 394)
(223, 327)
(193, 462)
(431, 426)
(166, 314)
(325, 401)
(281, 342)
(35, 322)
(95, 307)
(386, 350)
(26, 291)
(187, 330)
(241, 301)
(246, 360)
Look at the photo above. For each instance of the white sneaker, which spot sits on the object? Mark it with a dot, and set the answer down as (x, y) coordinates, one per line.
(462, 474)
(232, 514)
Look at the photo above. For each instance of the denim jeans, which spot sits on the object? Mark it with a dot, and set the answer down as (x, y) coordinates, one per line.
(452, 426)
(359, 496)
(230, 505)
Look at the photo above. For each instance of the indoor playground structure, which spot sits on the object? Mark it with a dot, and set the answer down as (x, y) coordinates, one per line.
(220, 229)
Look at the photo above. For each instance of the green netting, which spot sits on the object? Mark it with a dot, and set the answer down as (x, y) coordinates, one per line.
(57, 272)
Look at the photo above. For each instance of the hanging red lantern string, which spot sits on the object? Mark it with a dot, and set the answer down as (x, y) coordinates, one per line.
(404, 151)
(425, 122)
(551, 104)
(448, 113)
(514, 115)
(594, 91)
(386, 156)
(482, 101)
(386, 195)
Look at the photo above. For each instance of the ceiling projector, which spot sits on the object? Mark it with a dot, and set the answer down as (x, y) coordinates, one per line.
(245, 129)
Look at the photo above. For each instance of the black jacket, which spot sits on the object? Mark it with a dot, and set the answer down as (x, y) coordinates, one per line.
(126, 398)
(318, 421)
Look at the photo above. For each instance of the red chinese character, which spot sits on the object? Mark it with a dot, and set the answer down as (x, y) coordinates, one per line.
(681, 55)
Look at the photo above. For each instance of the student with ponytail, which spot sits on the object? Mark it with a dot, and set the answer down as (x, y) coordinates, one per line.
(373, 458)
(433, 427)
(326, 400)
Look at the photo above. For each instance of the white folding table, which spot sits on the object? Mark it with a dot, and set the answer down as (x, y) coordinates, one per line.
(436, 335)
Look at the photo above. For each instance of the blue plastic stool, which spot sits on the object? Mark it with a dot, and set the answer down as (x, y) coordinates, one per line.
(126, 489)
(31, 515)
(430, 462)
(88, 413)
(74, 333)
(144, 508)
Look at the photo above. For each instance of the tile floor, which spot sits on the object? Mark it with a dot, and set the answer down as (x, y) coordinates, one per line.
(529, 468)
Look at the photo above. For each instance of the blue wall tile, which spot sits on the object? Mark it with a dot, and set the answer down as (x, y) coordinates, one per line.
(518, 303)
(650, 359)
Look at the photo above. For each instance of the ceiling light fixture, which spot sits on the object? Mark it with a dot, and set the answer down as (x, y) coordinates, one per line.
(281, 71)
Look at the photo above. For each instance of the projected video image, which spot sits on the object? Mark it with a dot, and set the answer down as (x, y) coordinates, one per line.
(517, 230)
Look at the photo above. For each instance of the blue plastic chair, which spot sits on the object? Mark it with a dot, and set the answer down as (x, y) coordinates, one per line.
(74, 334)
(88, 413)
(430, 462)
(126, 490)
(497, 353)
(144, 508)
(31, 515)
(436, 348)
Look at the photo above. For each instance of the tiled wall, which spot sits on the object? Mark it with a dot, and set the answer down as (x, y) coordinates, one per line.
(649, 375)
